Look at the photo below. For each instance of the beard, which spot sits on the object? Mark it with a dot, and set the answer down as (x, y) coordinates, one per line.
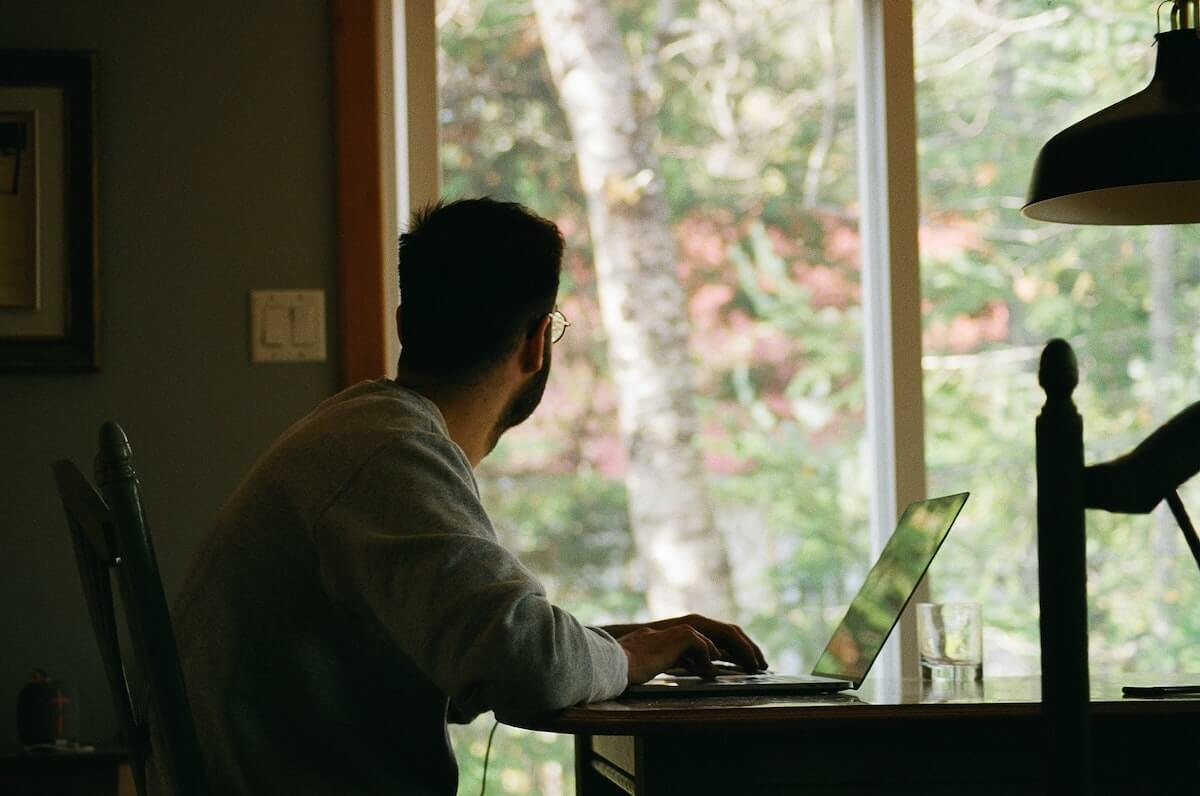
(522, 405)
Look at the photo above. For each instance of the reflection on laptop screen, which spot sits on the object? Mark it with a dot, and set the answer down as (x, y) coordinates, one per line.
(874, 611)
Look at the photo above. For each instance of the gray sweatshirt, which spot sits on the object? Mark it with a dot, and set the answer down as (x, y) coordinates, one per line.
(352, 586)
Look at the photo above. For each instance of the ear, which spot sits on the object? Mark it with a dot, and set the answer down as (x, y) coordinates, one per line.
(533, 347)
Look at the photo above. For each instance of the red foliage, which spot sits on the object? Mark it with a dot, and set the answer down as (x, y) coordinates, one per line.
(721, 463)
(820, 252)
(606, 454)
(968, 332)
(827, 286)
(945, 237)
(842, 241)
(707, 302)
(703, 243)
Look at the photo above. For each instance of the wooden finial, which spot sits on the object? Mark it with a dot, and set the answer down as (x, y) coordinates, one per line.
(112, 460)
(1058, 372)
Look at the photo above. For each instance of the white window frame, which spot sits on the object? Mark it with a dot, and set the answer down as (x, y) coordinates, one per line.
(891, 285)
(409, 88)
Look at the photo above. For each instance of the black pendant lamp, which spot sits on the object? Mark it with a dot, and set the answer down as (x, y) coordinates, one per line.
(1138, 161)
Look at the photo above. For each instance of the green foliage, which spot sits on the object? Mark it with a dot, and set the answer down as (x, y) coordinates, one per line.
(985, 111)
(520, 761)
(573, 530)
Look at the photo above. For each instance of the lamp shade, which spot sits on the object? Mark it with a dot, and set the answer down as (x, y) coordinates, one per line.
(1135, 162)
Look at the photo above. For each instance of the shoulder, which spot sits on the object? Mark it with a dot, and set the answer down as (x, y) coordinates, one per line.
(380, 405)
(372, 421)
(402, 466)
(372, 436)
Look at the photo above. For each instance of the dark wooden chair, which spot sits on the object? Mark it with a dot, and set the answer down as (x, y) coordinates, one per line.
(1131, 484)
(109, 532)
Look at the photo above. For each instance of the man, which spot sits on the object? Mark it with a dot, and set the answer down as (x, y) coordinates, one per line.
(354, 593)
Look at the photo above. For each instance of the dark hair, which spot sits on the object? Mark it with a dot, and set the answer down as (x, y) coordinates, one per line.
(476, 275)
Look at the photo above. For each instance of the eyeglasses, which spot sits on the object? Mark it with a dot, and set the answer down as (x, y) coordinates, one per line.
(558, 325)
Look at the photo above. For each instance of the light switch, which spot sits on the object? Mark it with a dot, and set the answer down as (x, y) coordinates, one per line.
(304, 325)
(276, 330)
(287, 325)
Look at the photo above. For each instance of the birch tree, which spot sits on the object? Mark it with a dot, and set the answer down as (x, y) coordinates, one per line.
(643, 307)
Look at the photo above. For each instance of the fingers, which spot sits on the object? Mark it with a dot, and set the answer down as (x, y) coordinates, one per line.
(693, 642)
(736, 645)
(740, 649)
(751, 653)
(697, 651)
(711, 651)
(652, 651)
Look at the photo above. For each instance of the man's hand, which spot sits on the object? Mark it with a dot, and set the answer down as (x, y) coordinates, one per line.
(692, 642)
(652, 651)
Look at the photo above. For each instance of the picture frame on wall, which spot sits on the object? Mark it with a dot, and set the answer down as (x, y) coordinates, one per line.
(49, 306)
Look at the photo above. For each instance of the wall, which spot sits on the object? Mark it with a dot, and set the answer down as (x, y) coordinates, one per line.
(215, 158)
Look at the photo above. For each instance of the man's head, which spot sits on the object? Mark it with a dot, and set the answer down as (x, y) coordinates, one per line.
(478, 280)
(477, 276)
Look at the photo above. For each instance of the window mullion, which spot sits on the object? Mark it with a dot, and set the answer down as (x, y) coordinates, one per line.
(891, 284)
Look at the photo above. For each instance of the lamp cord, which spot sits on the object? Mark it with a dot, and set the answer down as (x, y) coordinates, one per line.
(486, 755)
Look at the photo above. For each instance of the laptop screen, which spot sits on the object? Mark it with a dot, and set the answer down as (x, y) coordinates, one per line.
(890, 584)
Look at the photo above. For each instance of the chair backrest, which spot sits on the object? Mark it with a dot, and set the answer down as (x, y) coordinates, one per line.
(109, 532)
(1062, 574)
(1131, 484)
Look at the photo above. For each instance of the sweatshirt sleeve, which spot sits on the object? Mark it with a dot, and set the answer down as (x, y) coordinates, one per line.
(407, 546)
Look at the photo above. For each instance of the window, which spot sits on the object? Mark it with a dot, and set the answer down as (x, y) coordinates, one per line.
(704, 441)
(749, 126)
(749, 121)
(994, 80)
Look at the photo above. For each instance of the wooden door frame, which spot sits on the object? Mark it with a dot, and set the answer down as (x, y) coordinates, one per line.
(358, 143)
(386, 137)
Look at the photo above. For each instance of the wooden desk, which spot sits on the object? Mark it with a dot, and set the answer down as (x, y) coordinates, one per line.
(888, 737)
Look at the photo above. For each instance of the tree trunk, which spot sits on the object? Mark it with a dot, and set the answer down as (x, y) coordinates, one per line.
(643, 307)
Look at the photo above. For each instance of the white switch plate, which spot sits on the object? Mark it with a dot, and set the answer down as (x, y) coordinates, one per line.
(287, 325)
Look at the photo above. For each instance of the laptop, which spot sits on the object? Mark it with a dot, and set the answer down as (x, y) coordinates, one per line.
(868, 622)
